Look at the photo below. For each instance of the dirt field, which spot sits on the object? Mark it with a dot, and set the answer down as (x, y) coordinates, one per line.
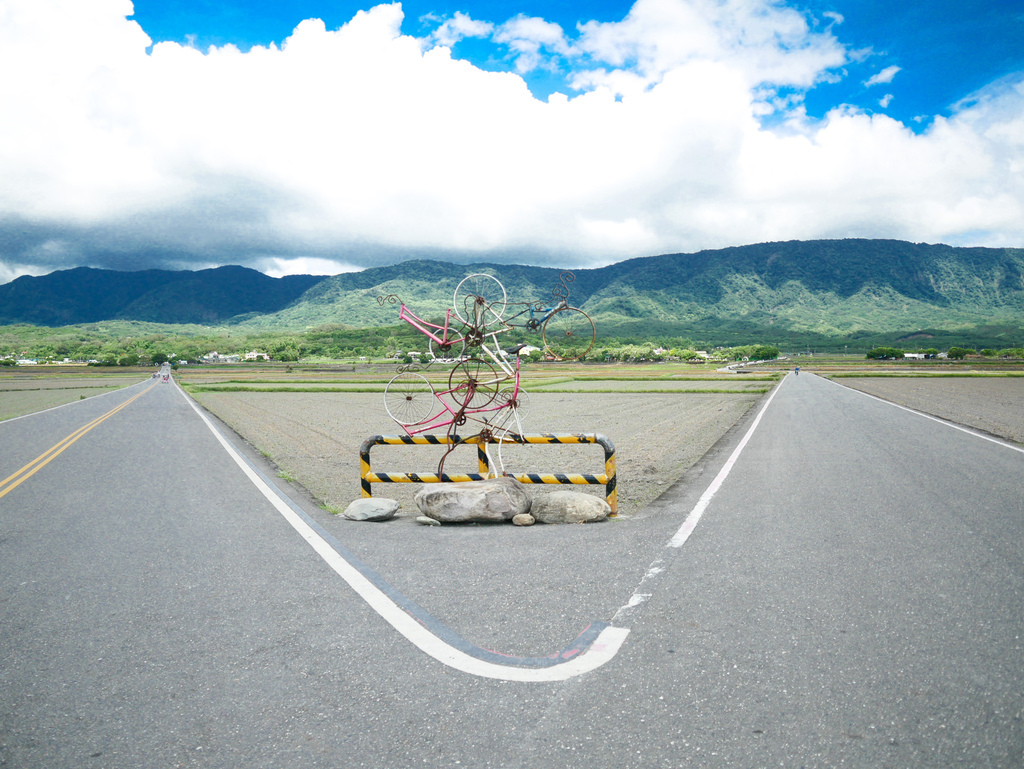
(992, 404)
(22, 393)
(315, 438)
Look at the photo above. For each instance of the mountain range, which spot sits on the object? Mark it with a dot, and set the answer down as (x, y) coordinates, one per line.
(828, 288)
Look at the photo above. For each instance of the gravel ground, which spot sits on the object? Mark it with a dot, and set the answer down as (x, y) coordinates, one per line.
(992, 404)
(314, 438)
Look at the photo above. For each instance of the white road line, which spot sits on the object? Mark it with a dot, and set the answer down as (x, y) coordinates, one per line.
(698, 510)
(940, 420)
(644, 590)
(603, 649)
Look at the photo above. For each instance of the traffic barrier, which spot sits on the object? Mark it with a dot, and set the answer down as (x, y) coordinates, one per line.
(607, 479)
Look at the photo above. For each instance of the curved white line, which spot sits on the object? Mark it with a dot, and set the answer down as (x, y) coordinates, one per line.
(603, 649)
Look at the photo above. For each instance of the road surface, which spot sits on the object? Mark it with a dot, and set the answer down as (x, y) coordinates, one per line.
(839, 582)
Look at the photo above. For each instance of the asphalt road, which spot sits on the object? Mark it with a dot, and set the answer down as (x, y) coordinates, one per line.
(852, 595)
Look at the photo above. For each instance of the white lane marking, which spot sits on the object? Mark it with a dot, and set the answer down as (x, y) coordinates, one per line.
(640, 594)
(940, 420)
(603, 649)
(698, 510)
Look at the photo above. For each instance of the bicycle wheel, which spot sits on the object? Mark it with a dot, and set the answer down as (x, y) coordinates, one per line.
(507, 435)
(409, 399)
(473, 384)
(480, 301)
(521, 406)
(449, 351)
(568, 334)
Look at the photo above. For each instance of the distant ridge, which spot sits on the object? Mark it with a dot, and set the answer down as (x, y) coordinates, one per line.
(827, 287)
(88, 295)
(822, 287)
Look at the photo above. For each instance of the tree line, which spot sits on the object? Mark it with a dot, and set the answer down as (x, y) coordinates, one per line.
(129, 343)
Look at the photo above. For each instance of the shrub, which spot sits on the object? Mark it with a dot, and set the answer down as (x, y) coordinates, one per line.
(885, 353)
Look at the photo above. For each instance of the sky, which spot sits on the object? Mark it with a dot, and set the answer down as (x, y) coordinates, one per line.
(307, 136)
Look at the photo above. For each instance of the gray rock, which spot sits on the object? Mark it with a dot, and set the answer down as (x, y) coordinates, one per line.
(426, 521)
(498, 499)
(523, 519)
(569, 507)
(371, 509)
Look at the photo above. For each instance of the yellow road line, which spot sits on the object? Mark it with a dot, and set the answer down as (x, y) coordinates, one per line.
(13, 481)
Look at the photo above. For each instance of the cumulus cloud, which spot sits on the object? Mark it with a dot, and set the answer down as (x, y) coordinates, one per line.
(343, 148)
(459, 27)
(885, 76)
(532, 40)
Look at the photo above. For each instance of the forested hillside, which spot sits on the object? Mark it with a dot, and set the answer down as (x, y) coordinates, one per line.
(770, 291)
(87, 295)
(828, 288)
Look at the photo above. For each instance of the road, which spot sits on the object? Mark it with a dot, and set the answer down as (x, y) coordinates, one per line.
(850, 594)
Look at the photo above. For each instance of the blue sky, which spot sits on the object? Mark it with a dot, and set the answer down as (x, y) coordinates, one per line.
(322, 137)
(945, 50)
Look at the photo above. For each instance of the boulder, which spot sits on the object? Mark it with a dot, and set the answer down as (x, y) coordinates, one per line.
(371, 509)
(569, 507)
(497, 499)
(523, 519)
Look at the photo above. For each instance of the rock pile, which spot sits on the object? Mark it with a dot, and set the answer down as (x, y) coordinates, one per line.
(495, 500)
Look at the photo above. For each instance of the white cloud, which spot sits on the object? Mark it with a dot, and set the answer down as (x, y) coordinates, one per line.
(885, 101)
(459, 27)
(529, 38)
(360, 145)
(885, 76)
(303, 265)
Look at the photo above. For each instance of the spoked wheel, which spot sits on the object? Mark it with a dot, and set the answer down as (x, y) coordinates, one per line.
(409, 399)
(480, 301)
(521, 404)
(473, 384)
(568, 334)
(509, 435)
(452, 350)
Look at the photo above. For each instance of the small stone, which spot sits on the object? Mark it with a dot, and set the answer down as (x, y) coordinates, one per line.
(523, 519)
(371, 509)
(427, 521)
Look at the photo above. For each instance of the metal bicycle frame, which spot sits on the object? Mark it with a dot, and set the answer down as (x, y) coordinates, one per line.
(534, 324)
(420, 325)
(438, 420)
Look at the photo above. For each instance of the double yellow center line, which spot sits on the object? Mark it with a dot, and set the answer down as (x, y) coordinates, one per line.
(13, 481)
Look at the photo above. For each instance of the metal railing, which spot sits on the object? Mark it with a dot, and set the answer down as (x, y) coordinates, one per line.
(607, 478)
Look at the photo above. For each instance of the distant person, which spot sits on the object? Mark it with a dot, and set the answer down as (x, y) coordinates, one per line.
(798, 370)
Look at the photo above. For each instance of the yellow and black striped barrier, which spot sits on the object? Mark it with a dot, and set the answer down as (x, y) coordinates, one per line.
(607, 478)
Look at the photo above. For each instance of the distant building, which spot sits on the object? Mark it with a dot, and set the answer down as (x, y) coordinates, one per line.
(253, 355)
(216, 357)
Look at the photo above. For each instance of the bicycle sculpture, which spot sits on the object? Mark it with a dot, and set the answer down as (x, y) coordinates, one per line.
(483, 387)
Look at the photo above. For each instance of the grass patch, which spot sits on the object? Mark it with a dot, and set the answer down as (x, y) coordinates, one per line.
(719, 391)
(925, 375)
(296, 389)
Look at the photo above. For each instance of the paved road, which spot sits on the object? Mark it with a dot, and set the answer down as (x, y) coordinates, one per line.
(852, 596)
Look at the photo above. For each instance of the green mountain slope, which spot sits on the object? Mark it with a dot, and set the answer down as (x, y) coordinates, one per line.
(87, 295)
(823, 287)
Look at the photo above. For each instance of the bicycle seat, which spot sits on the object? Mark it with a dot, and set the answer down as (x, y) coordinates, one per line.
(515, 350)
